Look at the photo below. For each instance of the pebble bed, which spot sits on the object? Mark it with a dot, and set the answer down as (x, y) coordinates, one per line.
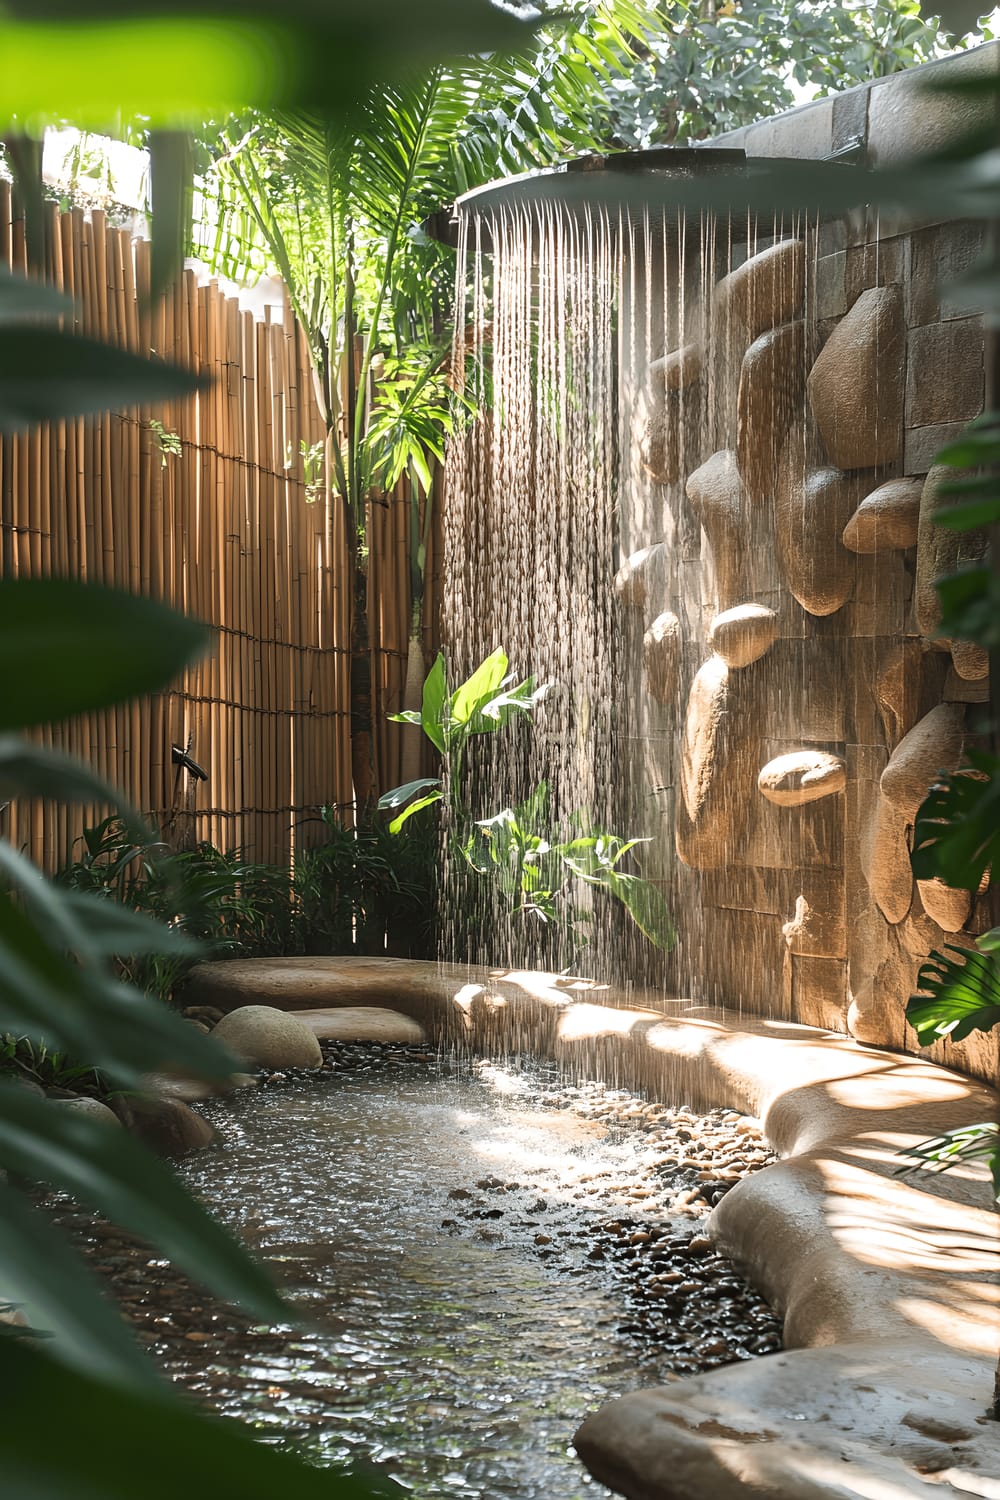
(626, 1216)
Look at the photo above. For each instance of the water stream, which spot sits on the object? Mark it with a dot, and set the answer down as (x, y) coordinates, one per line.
(484, 1255)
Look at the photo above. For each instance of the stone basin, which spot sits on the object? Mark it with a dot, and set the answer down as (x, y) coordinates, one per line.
(888, 1285)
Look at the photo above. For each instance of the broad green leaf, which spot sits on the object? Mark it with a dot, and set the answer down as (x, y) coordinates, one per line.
(114, 1443)
(989, 942)
(171, 167)
(479, 688)
(970, 516)
(414, 807)
(60, 1296)
(67, 646)
(48, 376)
(497, 712)
(117, 931)
(956, 997)
(645, 905)
(110, 1172)
(967, 1143)
(401, 794)
(23, 297)
(82, 1010)
(30, 770)
(970, 606)
(432, 708)
(183, 63)
(956, 836)
(408, 716)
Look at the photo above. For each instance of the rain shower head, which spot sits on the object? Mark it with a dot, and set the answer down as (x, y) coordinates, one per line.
(656, 189)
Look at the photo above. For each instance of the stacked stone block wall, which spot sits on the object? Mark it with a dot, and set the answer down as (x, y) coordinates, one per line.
(779, 554)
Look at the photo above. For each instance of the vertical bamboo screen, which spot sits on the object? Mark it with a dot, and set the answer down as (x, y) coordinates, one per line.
(222, 530)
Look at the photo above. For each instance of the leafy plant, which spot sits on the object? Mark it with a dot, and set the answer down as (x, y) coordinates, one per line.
(958, 997)
(538, 872)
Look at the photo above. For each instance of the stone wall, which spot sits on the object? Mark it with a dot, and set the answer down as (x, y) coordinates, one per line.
(782, 419)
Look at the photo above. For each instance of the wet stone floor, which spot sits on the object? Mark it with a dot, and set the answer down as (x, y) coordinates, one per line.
(482, 1254)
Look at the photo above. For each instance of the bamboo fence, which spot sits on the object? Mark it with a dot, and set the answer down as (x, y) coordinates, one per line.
(221, 529)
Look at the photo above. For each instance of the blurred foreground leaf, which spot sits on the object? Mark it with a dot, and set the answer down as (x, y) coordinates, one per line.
(103, 1167)
(67, 646)
(48, 376)
(116, 1445)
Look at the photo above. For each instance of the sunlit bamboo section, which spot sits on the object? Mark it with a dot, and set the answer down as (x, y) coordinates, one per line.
(201, 503)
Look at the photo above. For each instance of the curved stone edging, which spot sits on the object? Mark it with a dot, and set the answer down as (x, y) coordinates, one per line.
(888, 1286)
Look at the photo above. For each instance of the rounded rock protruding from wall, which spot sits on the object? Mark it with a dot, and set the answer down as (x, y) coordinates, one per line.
(897, 688)
(717, 758)
(744, 634)
(802, 776)
(634, 578)
(887, 519)
(772, 378)
(944, 904)
(856, 385)
(932, 747)
(679, 369)
(885, 860)
(661, 655)
(716, 495)
(766, 290)
(812, 507)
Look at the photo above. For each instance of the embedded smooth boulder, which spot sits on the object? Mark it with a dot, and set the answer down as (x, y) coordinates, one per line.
(661, 654)
(812, 507)
(167, 1126)
(744, 634)
(802, 776)
(932, 747)
(678, 369)
(717, 763)
(856, 385)
(887, 520)
(945, 905)
(633, 579)
(970, 660)
(93, 1109)
(660, 441)
(940, 550)
(268, 1038)
(885, 860)
(715, 491)
(772, 378)
(765, 290)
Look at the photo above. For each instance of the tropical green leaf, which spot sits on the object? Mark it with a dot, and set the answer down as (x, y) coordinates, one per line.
(646, 906)
(956, 836)
(67, 646)
(110, 1435)
(401, 794)
(115, 930)
(955, 997)
(970, 606)
(967, 1143)
(498, 711)
(30, 770)
(48, 376)
(23, 297)
(414, 807)
(478, 689)
(81, 1010)
(109, 1171)
(432, 708)
(171, 165)
(61, 1296)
